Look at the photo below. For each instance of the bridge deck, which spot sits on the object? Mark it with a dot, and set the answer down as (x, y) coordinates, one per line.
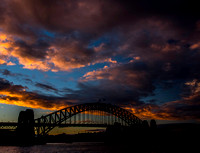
(14, 124)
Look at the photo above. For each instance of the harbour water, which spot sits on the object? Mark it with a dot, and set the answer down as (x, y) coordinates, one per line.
(76, 147)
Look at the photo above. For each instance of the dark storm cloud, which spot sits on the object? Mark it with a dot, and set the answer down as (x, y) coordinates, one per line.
(94, 16)
(36, 50)
(180, 11)
(46, 87)
(121, 84)
(187, 108)
(6, 85)
(6, 72)
(158, 63)
(57, 23)
(61, 16)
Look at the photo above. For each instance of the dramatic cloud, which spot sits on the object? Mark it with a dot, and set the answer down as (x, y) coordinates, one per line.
(123, 51)
(131, 76)
(6, 72)
(17, 95)
(56, 35)
(46, 87)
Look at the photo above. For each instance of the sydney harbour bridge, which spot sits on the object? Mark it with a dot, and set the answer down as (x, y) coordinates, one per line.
(88, 115)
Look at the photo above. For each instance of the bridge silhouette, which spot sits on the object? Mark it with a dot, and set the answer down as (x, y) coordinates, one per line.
(88, 115)
(122, 127)
(94, 116)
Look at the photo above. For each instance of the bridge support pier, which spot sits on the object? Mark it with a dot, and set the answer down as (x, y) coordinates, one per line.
(25, 128)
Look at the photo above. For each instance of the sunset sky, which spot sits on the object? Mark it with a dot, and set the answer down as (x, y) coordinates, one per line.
(142, 55)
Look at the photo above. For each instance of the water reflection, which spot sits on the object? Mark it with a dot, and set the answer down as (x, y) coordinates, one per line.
(78, 147)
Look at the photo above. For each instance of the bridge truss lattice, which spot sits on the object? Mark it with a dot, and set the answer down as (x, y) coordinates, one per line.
(103, 113)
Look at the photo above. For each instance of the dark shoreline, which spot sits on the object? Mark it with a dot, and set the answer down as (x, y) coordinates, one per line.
(170, 137)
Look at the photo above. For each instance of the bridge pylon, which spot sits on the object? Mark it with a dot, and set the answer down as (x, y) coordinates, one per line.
(25, 127)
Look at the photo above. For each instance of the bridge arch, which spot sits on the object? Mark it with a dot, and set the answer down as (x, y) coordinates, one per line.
(46, 123)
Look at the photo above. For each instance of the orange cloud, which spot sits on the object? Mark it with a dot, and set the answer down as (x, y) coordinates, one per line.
(27, 100)
(2, 62)
(17, 95)
(52, 61)
(95, 75)
(5, 43)
(58, 56)
(21, 97)
(147, 113)
(195, 46)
